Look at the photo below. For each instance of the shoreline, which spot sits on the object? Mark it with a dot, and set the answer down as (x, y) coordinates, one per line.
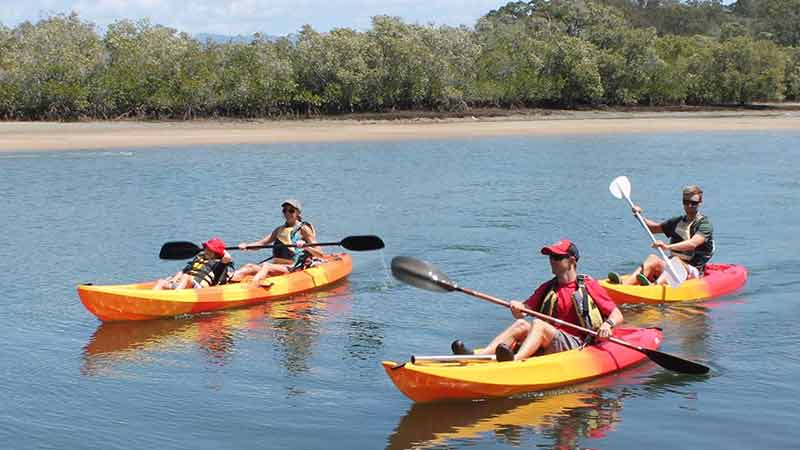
(97, 135)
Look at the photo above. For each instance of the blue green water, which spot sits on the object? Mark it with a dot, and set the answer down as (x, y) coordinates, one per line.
(305, 372)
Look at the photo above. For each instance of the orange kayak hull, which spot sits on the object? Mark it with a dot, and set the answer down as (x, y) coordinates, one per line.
(471, 380)
(140, 302)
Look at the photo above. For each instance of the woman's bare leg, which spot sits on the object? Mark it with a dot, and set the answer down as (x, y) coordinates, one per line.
(268, 269)
(245, 270)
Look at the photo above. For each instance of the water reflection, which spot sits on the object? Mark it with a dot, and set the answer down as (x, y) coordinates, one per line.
(293, 324)
(365, 339)
(554, 419)
(686, 327)
(561, 417)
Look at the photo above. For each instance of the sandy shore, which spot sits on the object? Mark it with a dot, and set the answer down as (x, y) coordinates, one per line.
(36, 136)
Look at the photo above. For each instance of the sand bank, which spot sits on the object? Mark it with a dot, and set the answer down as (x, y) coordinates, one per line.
(37, 136)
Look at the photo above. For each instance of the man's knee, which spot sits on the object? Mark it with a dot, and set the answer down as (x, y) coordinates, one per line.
(653, 265)
(653, 261)
(544, 327)
(521, 326)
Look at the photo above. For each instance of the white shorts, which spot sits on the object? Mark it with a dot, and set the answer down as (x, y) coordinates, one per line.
(691, 271)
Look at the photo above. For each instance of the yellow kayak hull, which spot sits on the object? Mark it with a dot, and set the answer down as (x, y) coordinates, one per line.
(719, 280)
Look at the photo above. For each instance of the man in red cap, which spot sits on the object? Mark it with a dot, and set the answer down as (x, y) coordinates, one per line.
(571, 297)
(207, 268)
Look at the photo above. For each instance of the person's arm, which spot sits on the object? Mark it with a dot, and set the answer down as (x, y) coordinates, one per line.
(309, 237)
(702, 234)
(533, 302)
(266, 240)
(613, 316)
(614, 319)
(684, 246)
(227, 258)
(654, 227)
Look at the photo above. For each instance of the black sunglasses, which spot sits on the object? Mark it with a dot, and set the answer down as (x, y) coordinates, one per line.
(555, 257)
(289, 210)
(691, 203)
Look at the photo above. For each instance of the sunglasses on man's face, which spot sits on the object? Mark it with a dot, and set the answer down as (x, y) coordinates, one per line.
(555, 257)
(289, 210)
(690, 203)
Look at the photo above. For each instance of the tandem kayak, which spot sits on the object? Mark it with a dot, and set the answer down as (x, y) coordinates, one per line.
(719, 280)
(430, 381)
(140, 302)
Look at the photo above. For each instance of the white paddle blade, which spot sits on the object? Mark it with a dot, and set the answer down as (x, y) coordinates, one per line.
(677, 275)
(620, 187)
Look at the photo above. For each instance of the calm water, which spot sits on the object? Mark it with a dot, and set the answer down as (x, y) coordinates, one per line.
(305, 373)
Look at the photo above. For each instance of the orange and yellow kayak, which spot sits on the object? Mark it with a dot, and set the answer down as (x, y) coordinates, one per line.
(430, 381)
(719, 280)
(140, 302)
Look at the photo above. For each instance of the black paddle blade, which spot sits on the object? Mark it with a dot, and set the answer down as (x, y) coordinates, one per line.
(676, 364)
(362, 243)
(421, 274)
(178, 250)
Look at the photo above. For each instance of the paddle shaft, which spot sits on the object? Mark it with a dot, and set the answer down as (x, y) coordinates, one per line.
(256, 247)
(668, 262)
(543, 316)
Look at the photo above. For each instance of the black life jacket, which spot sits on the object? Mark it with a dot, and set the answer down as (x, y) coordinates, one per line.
(210, 270)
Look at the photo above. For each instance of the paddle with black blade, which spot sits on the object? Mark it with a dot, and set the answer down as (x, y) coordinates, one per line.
(426, 276)
(186, 250)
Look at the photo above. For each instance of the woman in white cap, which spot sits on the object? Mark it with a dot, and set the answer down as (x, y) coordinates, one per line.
(296, 232)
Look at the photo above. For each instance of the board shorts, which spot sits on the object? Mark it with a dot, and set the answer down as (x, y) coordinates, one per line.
(562, 342)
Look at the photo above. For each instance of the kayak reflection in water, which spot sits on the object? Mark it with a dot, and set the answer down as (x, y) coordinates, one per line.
(207, 268)
(295, 231)
(573, 298)
(561, 418)
(292, 325)
(691, 243)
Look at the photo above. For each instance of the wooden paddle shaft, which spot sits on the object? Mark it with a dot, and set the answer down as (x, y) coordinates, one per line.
(543, 316)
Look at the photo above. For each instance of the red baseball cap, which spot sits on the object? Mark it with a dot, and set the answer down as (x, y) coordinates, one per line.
(562, 247)
(216, 245)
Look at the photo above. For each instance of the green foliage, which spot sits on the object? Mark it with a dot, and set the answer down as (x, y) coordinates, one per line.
(255, 80)
(673, 81)
(571, 72)
(49, 67)
(333, 68)
(562, 53)
(744, 70)
(154, 70)
(510, 65)
(780, 19)
(793, 75)
(9, 95)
